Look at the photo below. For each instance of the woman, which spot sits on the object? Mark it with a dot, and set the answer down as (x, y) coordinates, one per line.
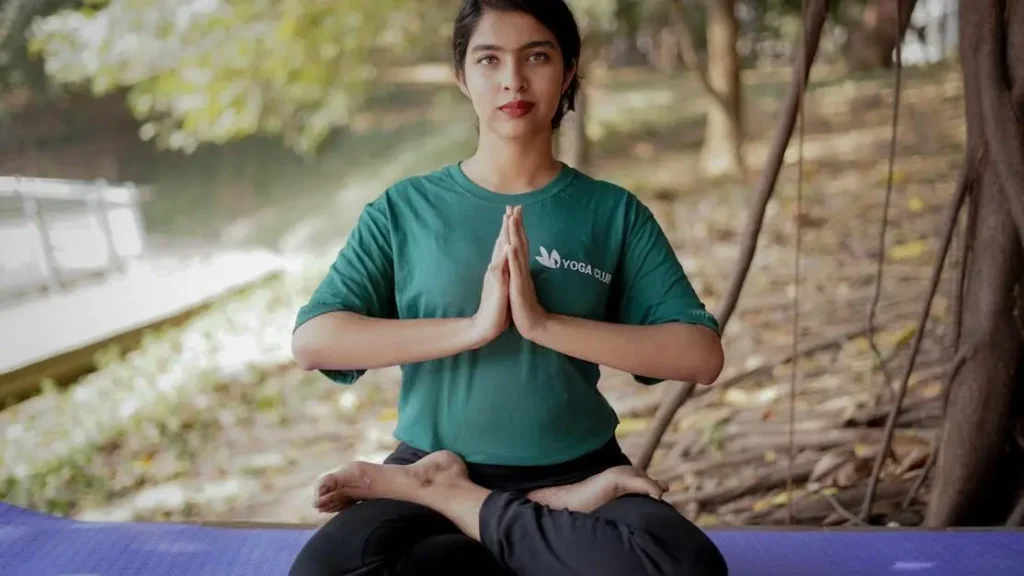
(500, 284)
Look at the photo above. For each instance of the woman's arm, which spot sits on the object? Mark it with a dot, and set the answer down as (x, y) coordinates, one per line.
(348, 341)
(670, 351)
(650, 337)
(345, 340)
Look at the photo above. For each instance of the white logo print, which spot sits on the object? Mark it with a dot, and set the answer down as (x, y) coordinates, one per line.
(551, 260)
(554, 261)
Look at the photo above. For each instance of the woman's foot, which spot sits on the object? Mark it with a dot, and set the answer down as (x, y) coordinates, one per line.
(358, 481)
(598, 490)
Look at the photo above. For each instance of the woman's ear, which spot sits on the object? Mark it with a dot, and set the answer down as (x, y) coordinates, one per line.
(570, 73)
(460, 79)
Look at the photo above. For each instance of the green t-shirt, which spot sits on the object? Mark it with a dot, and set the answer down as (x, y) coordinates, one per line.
(420, 251)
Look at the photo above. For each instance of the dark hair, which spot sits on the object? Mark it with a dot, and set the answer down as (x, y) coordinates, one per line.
(555, 15)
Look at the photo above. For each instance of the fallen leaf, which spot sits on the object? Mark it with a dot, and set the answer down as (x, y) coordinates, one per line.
(780, 499)
(908, 250)
(853, 472)
(932, 390)
(904, 446)
(915, 204)
(706, 417)
(861, 450)
(914, 460)
(829, 463)
(906, 336)
(762, 504)
(737, 397)
(707, 520)
(631, 425)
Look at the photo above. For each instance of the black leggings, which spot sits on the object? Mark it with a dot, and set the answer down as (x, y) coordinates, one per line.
(631, 536)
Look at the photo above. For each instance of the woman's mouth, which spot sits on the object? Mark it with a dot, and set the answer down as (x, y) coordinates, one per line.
(517, 108)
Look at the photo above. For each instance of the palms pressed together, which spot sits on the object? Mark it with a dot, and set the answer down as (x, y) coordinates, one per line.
(508, 295)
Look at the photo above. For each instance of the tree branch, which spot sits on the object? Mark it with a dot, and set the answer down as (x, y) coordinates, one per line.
(678, 395)
(1005, 139)
(952, 215)
(816, 15)
(888, 195)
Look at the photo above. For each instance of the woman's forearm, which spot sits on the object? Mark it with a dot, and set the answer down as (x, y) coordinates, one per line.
(674, 351)
(347, 341)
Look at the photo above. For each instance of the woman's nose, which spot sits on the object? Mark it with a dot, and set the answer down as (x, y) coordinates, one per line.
(512, 79)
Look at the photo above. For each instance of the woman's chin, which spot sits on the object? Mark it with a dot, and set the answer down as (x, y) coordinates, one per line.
(518, 129)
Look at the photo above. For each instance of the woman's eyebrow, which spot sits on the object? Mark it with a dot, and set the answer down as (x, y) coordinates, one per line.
(527, 46)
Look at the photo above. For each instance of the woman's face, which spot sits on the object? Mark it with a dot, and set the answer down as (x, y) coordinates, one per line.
(514, 74)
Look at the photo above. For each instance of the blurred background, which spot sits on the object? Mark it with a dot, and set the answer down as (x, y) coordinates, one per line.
(176, 176)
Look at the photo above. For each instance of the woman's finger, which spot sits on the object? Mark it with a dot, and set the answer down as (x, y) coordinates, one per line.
(521, 231)
(513, 260)
(502, 240)
(515, 272)
(331, 501)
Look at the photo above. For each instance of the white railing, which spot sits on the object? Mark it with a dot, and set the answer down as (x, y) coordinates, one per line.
(54, 232)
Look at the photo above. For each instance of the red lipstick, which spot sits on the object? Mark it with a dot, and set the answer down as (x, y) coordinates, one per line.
(517, 108)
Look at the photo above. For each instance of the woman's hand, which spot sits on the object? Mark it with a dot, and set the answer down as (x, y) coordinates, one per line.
(492, 316)
(527, 313)
(329, 495)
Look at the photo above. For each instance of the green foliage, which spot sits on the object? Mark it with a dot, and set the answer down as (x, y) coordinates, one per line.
(213, 72)
(143, 418)
(16, 67)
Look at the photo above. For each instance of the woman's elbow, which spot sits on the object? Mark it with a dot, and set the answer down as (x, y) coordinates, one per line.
(305, 350)
(711, 367)
(710, 362)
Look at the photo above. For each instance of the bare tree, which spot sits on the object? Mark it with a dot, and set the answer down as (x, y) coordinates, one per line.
(722, 152)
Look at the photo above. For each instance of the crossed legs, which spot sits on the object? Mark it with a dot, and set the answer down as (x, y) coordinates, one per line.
(408, 517)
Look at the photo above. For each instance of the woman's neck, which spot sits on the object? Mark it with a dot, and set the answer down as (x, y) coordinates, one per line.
(512, 166)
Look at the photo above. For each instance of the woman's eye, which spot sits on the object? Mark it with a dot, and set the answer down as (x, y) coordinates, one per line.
(487, 60)
(539, 57)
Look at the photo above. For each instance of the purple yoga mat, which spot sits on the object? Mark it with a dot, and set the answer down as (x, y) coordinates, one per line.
(33, 544)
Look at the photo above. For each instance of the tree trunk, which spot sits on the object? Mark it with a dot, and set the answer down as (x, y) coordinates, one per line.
(723, 136)
(979, 467)
(873, 39)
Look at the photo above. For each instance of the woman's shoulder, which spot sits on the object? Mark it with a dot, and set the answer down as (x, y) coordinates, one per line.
(407, 192)
(418, 183)
(608, 192)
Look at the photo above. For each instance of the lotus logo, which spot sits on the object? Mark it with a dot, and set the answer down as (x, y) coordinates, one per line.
(552, 260)
(555, 262)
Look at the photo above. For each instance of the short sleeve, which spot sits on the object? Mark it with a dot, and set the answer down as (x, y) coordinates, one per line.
(651, 286)
(360, 280)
